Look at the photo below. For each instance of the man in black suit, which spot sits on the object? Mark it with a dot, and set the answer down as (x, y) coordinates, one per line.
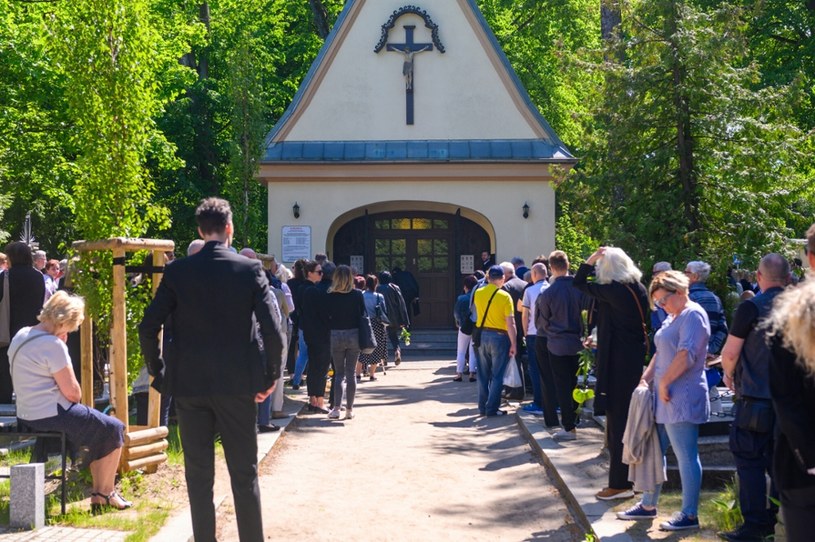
(218, 368)
(26, 294)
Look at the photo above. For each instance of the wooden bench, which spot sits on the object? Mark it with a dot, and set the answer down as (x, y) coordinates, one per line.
(11, 427)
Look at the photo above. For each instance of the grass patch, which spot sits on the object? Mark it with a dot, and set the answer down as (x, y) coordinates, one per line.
(718, 511)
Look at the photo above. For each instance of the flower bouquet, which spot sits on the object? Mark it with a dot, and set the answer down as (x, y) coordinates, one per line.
(404, 336)
(582, 392)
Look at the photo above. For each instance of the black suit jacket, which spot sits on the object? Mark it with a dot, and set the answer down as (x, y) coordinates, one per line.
(27, 287)
(212, 298)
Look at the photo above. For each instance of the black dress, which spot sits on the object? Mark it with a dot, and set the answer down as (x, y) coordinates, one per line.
(793, 393)
(621, 348)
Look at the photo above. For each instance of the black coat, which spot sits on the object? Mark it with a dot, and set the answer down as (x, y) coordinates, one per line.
(621, 343)
(793, 393)
(212, 297)
(27, 291)
(394, 305)
(313, 317)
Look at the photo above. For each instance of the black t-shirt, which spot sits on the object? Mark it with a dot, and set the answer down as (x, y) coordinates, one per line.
(744, 320)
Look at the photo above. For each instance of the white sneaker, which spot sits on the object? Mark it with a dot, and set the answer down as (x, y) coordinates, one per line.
(334, 414)
(565, 435)
(349, 414)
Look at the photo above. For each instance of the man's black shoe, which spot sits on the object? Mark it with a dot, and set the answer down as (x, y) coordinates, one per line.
(271, 428)
(746, 534)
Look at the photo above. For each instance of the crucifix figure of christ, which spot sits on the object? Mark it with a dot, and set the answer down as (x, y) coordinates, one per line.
(409, 49)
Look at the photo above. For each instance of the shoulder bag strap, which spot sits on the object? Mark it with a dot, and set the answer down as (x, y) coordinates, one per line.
(487, 310)
(642, 315)
(25, 342)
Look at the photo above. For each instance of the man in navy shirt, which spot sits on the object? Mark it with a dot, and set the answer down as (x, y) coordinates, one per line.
(746, 359)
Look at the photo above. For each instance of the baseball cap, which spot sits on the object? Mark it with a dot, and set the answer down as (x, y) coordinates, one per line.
(496, 272)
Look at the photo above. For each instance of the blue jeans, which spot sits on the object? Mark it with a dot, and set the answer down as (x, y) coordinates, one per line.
(301, 362)
(534, 372)
(683, 437)
(493, 356)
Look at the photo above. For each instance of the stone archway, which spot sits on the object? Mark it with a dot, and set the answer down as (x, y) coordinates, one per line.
(428, 244)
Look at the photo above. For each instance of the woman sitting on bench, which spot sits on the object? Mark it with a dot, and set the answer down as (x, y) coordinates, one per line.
(48, 395)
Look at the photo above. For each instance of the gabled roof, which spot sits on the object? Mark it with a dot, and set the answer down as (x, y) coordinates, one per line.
(543, 145)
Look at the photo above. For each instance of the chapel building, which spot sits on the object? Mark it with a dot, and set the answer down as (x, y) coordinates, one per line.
(411, 143)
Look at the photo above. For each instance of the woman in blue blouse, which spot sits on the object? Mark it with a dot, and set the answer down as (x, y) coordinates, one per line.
(677, 372)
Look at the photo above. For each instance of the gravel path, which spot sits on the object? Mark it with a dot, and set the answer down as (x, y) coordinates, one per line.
(416, 463)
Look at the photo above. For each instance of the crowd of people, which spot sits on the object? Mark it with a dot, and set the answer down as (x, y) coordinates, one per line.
(660, 350)
(660, 353)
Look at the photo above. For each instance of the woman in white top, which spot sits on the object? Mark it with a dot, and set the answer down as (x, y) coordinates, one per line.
(48, 395)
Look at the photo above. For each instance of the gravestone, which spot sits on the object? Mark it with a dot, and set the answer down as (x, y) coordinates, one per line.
(27, 499)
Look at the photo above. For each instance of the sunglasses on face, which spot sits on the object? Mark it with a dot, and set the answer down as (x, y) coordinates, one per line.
(661, 301)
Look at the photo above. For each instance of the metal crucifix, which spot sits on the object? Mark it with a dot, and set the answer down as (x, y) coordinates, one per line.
(409, 49)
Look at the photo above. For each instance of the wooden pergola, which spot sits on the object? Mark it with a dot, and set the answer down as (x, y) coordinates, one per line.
(144, 446)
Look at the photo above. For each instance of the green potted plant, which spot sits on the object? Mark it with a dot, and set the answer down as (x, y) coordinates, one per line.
(583, 394)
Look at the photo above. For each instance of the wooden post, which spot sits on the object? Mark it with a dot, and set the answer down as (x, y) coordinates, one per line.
(154, 401)
(118, 341)
(149, 442)
(86, 347)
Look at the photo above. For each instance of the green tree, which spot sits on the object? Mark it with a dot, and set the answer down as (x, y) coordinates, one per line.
(117, 69)
(688, 157)
(37, 168)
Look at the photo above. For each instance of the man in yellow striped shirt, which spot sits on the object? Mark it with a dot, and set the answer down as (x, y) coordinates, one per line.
(496, 314)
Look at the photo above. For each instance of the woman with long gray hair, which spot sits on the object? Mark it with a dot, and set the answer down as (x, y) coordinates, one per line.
(622, 342)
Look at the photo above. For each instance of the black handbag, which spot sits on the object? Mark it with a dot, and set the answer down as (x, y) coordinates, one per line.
(367, 341)
(478, 329)
(467, 327)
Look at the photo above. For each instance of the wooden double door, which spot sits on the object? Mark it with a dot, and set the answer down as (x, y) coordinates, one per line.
(427, 245)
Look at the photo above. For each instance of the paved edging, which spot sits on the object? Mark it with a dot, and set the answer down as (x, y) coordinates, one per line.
(533, 435)
(574, 470)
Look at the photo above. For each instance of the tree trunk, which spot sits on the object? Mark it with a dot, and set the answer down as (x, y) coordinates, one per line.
(203, 138)
(610, 18)
(684, 135)
(320, 18)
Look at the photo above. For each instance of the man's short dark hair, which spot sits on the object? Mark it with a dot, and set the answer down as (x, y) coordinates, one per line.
(558, 260)
(811, 239)
(212, 215)
(19, 254)
(328, 269)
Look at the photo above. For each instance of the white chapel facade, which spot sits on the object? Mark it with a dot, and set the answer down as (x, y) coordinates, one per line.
(411, 143)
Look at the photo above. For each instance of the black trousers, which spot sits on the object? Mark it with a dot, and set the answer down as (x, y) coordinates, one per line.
(6, 387)
(291, 353)
(547, 378)
(319, 360)
(798, 509)
(564, 371)
(234, 417)
(616, 420)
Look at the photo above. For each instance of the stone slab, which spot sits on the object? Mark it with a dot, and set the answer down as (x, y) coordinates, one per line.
(27, 498)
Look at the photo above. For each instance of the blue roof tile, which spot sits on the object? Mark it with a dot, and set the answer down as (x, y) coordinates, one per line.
(458, 150)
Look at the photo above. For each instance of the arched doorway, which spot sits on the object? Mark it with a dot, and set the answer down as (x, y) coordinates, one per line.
(429, 245)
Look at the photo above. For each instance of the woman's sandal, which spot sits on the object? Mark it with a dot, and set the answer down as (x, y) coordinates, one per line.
(98, 507)
(457, 378)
